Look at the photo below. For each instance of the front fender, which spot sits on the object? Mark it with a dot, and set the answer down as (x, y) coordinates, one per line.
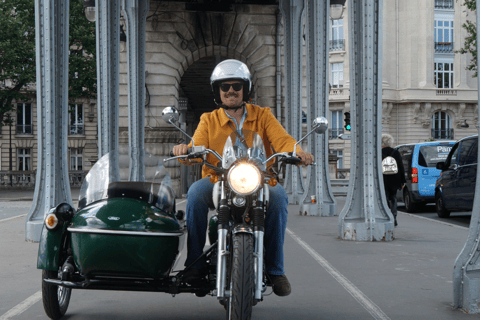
(50, 247)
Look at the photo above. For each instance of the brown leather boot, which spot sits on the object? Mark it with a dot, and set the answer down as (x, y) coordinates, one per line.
(281, 285)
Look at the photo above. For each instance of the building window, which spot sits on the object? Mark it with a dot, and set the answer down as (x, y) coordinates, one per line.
(76, 119)
(444, 4)
(337, 42)
(24, 118)
(76, 159)
(443, 34)
(442, 126)
(336, 128)
(336, 75)
(24, 159)
(443, 77)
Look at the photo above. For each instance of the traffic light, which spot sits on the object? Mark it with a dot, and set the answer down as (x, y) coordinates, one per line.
(347, 121)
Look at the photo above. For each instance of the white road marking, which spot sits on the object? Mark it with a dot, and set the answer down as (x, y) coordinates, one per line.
(438, 221)
(368, 304)
(11, 218)
(22, 306)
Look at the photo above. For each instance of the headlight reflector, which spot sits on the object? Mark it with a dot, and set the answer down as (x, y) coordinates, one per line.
(244, 178)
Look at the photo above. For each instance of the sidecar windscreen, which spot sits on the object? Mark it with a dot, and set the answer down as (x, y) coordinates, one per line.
(104, 181)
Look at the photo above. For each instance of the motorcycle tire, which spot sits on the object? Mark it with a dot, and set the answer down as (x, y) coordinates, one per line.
(55, 298)
(241, 278)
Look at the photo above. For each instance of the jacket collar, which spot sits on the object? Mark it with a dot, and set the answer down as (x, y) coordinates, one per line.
(251, 116)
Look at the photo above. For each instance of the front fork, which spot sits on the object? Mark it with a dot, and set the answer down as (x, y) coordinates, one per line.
(258, 233)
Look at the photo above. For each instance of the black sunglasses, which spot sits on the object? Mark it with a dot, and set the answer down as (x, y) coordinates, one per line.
(237, 86)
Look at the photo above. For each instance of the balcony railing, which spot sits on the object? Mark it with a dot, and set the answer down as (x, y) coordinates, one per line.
(446, 92)
(337, 91)
(74, 129)
(443, 47)
(17, 179)
(24, 129)
(442, 133)
(76, 178)
(337, 45)
(26, 179)
(334, 133)
(444, 4)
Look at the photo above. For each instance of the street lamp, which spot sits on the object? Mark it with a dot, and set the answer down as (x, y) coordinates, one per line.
(89, 6)
(336, 9)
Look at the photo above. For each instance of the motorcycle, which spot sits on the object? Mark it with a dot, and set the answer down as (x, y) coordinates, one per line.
(128, 235)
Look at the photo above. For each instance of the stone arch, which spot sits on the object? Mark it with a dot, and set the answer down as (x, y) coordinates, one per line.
(175, 42)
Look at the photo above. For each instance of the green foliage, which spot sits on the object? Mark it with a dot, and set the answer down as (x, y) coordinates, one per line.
(18, 59)
(470, 44)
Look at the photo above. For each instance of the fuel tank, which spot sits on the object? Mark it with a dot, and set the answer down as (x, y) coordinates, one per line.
(124, 236)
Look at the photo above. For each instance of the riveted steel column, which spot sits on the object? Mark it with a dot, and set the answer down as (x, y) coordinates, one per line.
(108, 56)
(52, 184)
(365, 216)
(466, 282)
(318, 181)
(292, 13)
(135, 18)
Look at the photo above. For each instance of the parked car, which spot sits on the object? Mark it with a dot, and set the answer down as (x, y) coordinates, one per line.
(419, 162)
(455, 189)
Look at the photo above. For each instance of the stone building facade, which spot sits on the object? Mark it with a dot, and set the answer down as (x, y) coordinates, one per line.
(427, 91)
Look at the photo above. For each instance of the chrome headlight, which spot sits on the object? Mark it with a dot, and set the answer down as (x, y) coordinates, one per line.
(244, 178)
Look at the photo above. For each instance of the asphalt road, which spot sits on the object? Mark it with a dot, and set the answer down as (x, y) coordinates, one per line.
(457, 218)
(408, 278)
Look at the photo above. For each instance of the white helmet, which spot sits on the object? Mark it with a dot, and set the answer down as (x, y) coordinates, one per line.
(228, 70)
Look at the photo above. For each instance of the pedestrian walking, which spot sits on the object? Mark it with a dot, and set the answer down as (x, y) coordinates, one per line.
(393, 172)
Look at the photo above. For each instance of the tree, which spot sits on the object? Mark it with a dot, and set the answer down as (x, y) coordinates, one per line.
(470, 44)
(18, 60)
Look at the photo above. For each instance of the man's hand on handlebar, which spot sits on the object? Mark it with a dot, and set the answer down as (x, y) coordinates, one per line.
(180, 150)
(307, 158)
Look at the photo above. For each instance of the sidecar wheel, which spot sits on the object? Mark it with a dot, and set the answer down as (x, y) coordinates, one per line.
(241, 278)
(55, 298)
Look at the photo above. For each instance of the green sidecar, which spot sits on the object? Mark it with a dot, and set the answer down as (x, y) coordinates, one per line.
(125, 235)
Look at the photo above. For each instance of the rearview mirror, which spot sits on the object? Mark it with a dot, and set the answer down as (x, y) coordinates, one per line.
(440, 165)
(320, 125)
(170, 115)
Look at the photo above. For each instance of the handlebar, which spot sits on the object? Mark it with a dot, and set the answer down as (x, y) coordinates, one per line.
(194, 153)
(287, 157)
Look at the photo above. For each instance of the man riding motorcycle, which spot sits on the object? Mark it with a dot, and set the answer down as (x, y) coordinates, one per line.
(231, 83)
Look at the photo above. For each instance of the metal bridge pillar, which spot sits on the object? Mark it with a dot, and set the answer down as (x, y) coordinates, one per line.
(52, 183)
(318, 181)
(466, 271)
(366, 216)
(108, 58)
(135, 18)
(292, 12)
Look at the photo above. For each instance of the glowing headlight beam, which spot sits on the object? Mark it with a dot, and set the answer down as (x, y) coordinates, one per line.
(244, 178)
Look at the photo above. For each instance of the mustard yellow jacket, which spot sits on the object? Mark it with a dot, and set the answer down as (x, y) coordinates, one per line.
(213, 131)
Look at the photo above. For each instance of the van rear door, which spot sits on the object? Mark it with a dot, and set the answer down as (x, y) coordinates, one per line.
(428, 157)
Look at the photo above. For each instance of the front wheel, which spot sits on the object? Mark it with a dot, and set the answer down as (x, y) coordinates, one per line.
(55, 298)
(241, 278)
(442, 212)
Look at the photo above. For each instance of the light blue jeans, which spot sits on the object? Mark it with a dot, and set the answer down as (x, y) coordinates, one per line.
(199, 199)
